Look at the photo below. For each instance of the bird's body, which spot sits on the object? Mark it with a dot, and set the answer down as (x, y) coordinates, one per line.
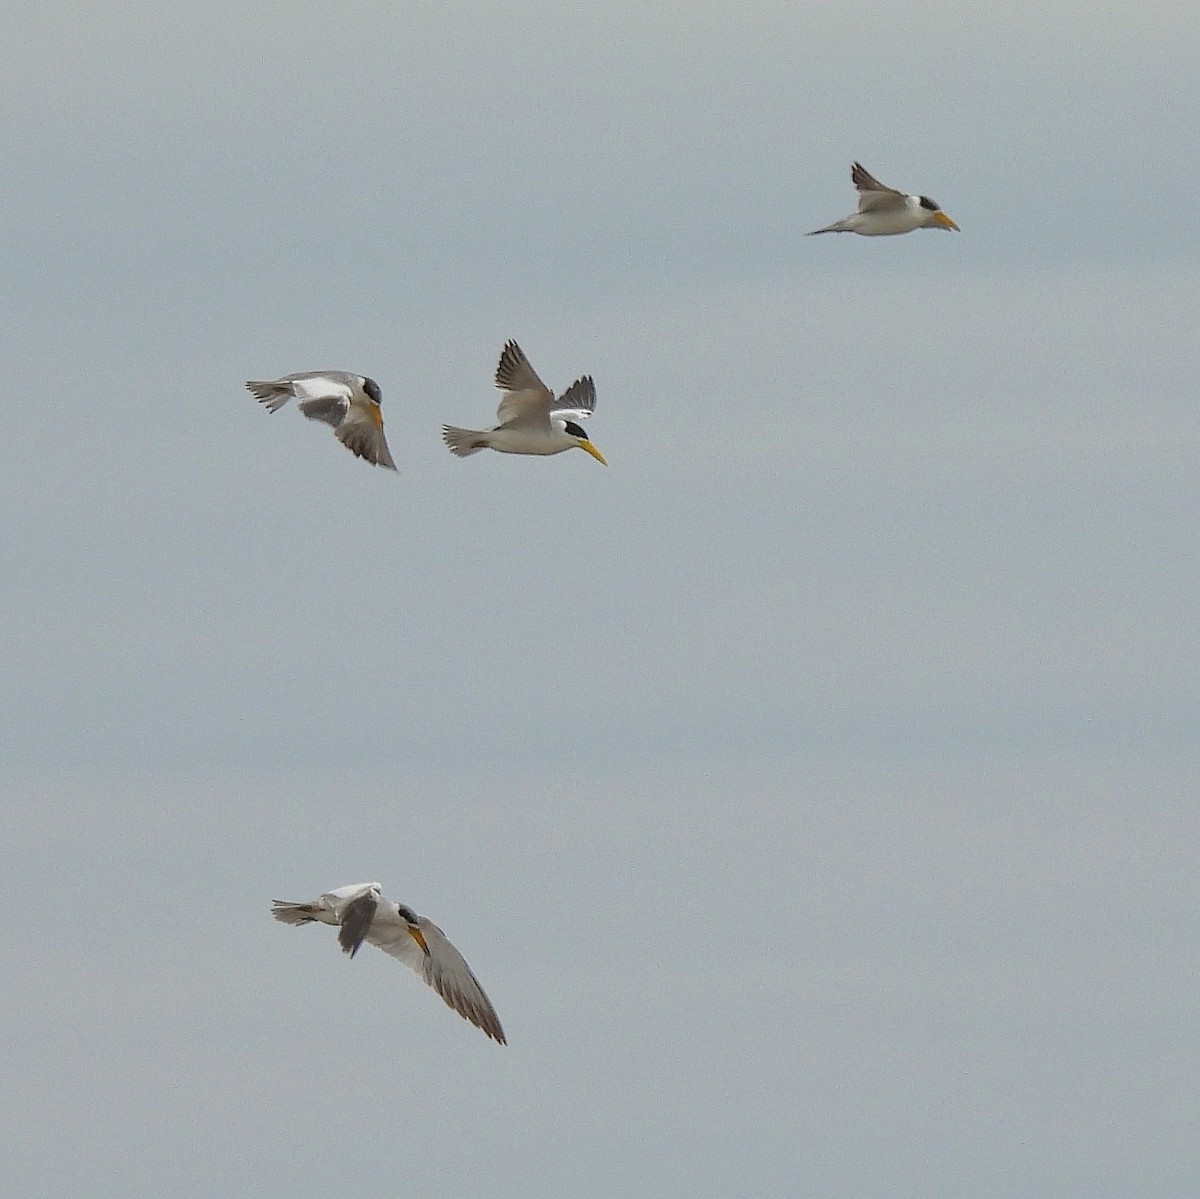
(531, 420)
(360, 913)
(351, 404)
(884, 211)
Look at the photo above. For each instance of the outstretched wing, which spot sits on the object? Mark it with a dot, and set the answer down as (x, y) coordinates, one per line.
(361, 432)
(330, 409)
(873, 195)
(444, 969)
(356, 919)
(578, 402)
(525, 394)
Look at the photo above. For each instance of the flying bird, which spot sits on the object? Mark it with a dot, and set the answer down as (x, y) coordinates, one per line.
(361, 913)
(350, 403)
(532, 421)
(883, 210)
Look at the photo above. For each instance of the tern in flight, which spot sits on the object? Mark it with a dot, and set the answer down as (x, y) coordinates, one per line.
(883, 211)
(531, 420)
(350, 403)
(361, 913)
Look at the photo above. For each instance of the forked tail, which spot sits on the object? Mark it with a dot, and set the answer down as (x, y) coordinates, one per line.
(272, 395)
(293, 913)
(464, 442)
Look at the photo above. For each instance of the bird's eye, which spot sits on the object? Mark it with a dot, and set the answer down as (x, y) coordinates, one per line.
(571, 427)
(926, 202)
(372, 389)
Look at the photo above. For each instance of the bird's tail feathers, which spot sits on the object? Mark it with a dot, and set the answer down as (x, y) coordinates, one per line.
(293, 913)
(464, 442)
(836, 227)
(269, 394)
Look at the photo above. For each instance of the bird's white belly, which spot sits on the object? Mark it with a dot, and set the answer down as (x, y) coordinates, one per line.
(529, 441)
(885, 224)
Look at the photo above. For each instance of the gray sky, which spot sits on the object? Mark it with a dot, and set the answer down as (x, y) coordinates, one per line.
(813, 790)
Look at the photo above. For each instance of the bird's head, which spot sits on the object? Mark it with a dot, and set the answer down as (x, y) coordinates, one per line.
(934, 216)
(414, 929)
(582, 441)
(372, 392)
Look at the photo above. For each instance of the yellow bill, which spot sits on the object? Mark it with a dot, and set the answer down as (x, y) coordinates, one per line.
(591, 449)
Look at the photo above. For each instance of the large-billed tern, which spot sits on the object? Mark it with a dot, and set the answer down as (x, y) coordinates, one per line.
(350, 403)
(361, 913)
(532, 421)
(883, 211)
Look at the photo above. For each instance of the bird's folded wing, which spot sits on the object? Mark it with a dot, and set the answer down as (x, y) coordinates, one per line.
(578, 401)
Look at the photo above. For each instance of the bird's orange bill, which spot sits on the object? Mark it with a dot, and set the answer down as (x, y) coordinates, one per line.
(591, 449)
(418, 936)
(946, 223)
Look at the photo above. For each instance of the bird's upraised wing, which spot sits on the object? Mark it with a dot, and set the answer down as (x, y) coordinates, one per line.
(873, 195)
(578, 402)
(525, 394)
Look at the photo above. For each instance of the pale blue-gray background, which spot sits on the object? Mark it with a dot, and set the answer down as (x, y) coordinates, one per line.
(813, 790)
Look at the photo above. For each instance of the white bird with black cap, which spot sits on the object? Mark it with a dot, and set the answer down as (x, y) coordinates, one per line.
(883, 211)
(531, 420)
(361, 913)
(352, 404)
